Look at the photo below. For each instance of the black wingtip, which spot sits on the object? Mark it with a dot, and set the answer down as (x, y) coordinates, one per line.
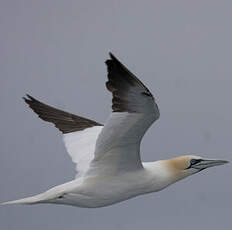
(112, 60)
(111, 55)
(25, 98)
(29, 99)
(64, 121)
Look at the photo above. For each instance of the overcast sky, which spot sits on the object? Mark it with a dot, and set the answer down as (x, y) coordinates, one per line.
(55, 50)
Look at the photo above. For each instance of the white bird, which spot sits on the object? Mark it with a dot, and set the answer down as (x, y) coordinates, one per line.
(107, 156)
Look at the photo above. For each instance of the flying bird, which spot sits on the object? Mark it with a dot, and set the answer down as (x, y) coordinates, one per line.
(107, 156)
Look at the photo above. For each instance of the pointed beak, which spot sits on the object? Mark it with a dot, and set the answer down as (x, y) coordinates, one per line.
(206, 163)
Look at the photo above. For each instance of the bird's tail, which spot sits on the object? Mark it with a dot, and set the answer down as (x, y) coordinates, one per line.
(40, 198)
(28, 200)
(46, 197)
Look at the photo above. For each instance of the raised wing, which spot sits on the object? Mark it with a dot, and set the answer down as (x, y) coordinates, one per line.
(134, 110)
(80, 134)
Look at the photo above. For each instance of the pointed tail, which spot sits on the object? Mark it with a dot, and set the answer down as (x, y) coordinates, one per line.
(28, 200)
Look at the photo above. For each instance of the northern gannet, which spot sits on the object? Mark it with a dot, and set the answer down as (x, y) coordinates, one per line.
(107, 156)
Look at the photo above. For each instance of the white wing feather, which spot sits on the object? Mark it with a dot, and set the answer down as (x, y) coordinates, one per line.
(80, 146)
(118, 145)
(134, 110)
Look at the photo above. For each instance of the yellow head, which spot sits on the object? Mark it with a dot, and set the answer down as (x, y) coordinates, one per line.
(183, 166)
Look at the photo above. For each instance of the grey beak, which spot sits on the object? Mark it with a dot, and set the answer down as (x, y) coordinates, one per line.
(206, 163)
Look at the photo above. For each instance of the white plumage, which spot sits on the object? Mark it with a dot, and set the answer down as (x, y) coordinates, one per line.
(108, 164)
(80, 146)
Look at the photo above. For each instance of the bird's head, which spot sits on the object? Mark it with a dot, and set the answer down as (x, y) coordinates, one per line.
(184, 166)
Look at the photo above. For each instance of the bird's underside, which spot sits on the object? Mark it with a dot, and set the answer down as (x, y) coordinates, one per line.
(107, 156)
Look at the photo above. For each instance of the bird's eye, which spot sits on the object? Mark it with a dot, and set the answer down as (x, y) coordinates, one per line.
(194, 161)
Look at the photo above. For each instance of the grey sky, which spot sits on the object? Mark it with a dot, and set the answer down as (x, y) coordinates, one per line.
(55, 50)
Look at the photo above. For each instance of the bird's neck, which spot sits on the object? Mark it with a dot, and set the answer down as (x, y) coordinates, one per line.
(161, 174)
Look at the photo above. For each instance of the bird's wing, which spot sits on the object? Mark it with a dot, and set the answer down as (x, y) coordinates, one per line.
(79, 134)
(134, 110)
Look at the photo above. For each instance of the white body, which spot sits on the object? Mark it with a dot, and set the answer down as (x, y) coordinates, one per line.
(108, 157)
(99, 191)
